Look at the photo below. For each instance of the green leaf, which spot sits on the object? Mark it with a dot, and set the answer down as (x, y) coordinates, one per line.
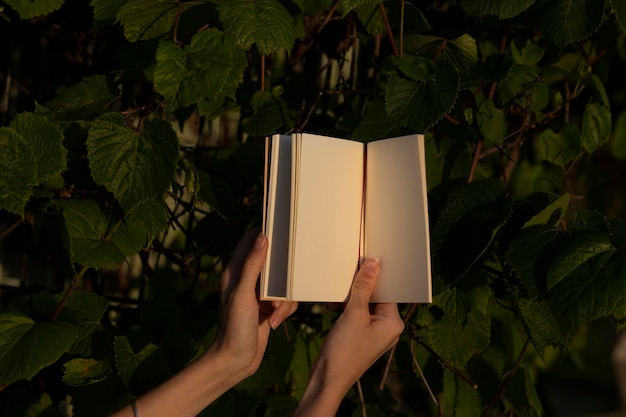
(218, 194)
(528, 54)
(209, 67)
(502, 9)
(596, 127)
(265, 23)
(529, 256)
(591, 291)
(461, 52)
(520, 395)
(573, 251)
(96, 239)
(81, 371)
(469, 219)
(548, 214)
(462, 331)
(491, 122)
(348, 5)
(149, 19)
(44, 138)
(369, 14)
(541, 324)
(559, 148)
(419, 105)
(269, 114)
(18, 174)
(104, 11)
(415, 67)
(140, 370)
(29, 9)
(566, 21)
(84, 100)
(458, 397)
(376, 124)
(599, 89)
(136, 166)
(26, 347)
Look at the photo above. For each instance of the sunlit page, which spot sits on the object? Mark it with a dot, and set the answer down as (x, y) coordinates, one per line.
(396, 219)
(327, 218)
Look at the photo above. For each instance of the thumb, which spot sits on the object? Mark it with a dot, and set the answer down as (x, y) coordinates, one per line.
(253, 263)
(363, 284)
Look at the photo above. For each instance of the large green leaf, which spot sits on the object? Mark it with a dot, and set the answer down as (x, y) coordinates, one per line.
(462, 331)
(552, 213)
(141, 370)
(136, 166)
(207, 67)
(596, 127)
(84, 100)
(376, 124)
(459, 398)
(265, 23)
(96, 239)
(348, 5)
(593, 290)
(541, 324)
(370, 15)
(560, 148)
(419, 105)
(148, 19)
(104, 11)
(18, 174)
(529, 256)
(566, 21)
(502, 9)
(268, 114)
(573, 251)
(461, 52)
(44, 139)
(26, 346)
(28, 9)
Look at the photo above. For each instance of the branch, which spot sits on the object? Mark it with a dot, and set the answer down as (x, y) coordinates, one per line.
(389, 31)
(419, 369)
(506, 380)
(69, 290)
(11, 228)
(393, 349)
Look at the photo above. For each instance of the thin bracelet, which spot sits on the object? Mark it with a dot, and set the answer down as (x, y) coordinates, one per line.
(133, 404)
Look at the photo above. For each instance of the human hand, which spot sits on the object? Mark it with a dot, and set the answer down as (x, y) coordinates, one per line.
(357, 339)
(245, 321)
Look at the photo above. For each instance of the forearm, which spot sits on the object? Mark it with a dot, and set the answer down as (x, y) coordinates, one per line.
(323, 394)
(190, 391)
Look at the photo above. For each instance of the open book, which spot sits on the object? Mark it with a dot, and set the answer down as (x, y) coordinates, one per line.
(330, 203)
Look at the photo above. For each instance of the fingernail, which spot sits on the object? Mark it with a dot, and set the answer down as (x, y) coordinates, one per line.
(276, 304)
(260, 242)
(371, 266)
(275, 321)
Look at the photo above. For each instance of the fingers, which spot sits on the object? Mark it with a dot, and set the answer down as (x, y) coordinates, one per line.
(253, 264)
(363, 284)
(282, 310)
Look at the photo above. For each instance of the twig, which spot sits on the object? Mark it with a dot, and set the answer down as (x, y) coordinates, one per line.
(11, 228)
(440, 50)
(262, 72)
(389, 31)
(419, 369)
(477, 153)
(506, 380)
(361, 397)
(568, 97)
(445, 363)
(69, 290)
(392, 352)
(401, 28)
(175, 29)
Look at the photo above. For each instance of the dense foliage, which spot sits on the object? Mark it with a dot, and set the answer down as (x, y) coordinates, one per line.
(131, 159)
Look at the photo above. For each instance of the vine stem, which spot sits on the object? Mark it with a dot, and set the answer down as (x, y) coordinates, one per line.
(262, 72)
(419, 369)
(477, 152)
(11, 228)
(383, 380)
(69, 290)
(389, 31)
(505, 381)
(361, 397)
